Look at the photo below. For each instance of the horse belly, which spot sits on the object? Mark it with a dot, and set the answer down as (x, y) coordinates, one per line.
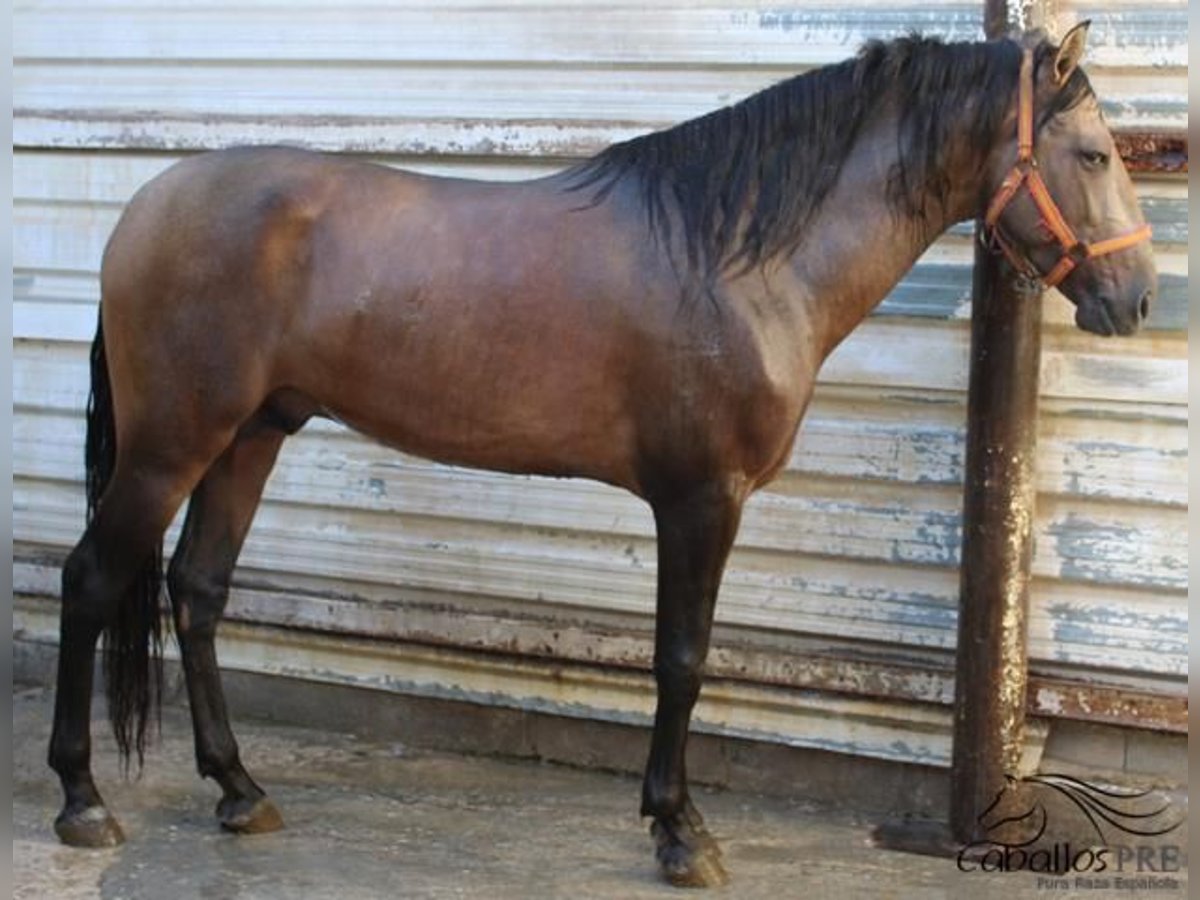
(491, 388)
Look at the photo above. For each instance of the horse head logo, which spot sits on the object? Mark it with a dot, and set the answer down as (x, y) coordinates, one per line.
(1014, 809)
(1020, 807)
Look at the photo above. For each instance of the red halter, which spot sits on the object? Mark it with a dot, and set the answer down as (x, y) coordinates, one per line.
(1025, 173)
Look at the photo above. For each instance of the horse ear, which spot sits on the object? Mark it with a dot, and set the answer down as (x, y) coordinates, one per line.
(1070, 52)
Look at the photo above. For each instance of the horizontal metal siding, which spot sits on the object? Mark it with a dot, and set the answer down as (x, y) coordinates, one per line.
(850, 555)
(610, 62)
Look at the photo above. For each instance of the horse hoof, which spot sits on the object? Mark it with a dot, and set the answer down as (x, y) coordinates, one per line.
(249, 816)
(688, 855)
(681, 867)
(93, 826)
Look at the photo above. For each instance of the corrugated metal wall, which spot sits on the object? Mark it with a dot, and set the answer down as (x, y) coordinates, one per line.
(836, 623)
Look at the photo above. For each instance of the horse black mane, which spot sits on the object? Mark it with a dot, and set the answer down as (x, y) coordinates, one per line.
(745, 181)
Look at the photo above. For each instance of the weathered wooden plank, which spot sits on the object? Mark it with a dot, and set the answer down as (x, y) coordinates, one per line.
(1091, 628)
(1109, 547)
(500, 124)
(421, 110)
(1136, 33)
(557, 135)
(110, 94)
(937, 291)
(1134, 461)
(1078, 455)
(710, 33)
(933, 355)
(836, 660)
(84, 177)
(1153, 153)
(580, 34)
(1164, 203)
(70, 239)
(1088, 703)
(51, 320)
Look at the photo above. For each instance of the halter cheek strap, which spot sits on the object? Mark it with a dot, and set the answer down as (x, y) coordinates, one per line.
(1025, 174)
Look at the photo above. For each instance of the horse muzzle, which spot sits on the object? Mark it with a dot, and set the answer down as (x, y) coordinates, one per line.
(1115, 305)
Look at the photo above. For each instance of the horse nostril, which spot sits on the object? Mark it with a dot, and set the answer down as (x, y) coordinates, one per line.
(1144, 304)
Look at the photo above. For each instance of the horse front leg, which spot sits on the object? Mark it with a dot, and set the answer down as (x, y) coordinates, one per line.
(695, 532)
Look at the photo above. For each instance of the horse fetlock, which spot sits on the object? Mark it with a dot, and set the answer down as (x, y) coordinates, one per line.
(664, 799)
(210, 765)
(236, 782)
(220, 762)
(68, 757)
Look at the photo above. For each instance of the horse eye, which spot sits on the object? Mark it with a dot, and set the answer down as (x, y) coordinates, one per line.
(1094, 158)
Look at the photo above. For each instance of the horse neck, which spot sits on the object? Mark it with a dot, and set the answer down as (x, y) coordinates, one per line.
(859, 245)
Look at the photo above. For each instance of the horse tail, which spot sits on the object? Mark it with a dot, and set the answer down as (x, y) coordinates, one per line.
(133, 633)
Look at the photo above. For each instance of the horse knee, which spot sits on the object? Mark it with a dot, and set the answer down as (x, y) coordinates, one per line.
(197, 599)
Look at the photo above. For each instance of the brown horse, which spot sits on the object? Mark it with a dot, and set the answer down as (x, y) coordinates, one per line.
(653, 318)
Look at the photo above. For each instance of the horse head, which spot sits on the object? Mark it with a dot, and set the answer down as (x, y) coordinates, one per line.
(1013, 817)
(1063, 207)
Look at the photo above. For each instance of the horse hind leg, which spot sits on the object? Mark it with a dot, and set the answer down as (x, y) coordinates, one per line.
(109, 584)
(219, 515)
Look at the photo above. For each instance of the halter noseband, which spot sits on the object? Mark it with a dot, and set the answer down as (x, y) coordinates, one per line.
(1025, 173)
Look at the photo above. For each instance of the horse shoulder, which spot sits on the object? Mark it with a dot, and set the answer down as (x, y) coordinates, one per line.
(780, 375)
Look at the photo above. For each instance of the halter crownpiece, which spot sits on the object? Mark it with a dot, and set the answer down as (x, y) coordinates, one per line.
(1025, 174)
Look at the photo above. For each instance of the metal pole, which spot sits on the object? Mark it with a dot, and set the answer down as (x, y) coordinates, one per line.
(991, 671)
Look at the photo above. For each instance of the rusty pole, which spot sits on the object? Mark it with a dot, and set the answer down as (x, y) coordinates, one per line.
(991, 671)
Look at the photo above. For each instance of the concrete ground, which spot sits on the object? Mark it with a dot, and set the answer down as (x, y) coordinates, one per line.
(368, 819)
